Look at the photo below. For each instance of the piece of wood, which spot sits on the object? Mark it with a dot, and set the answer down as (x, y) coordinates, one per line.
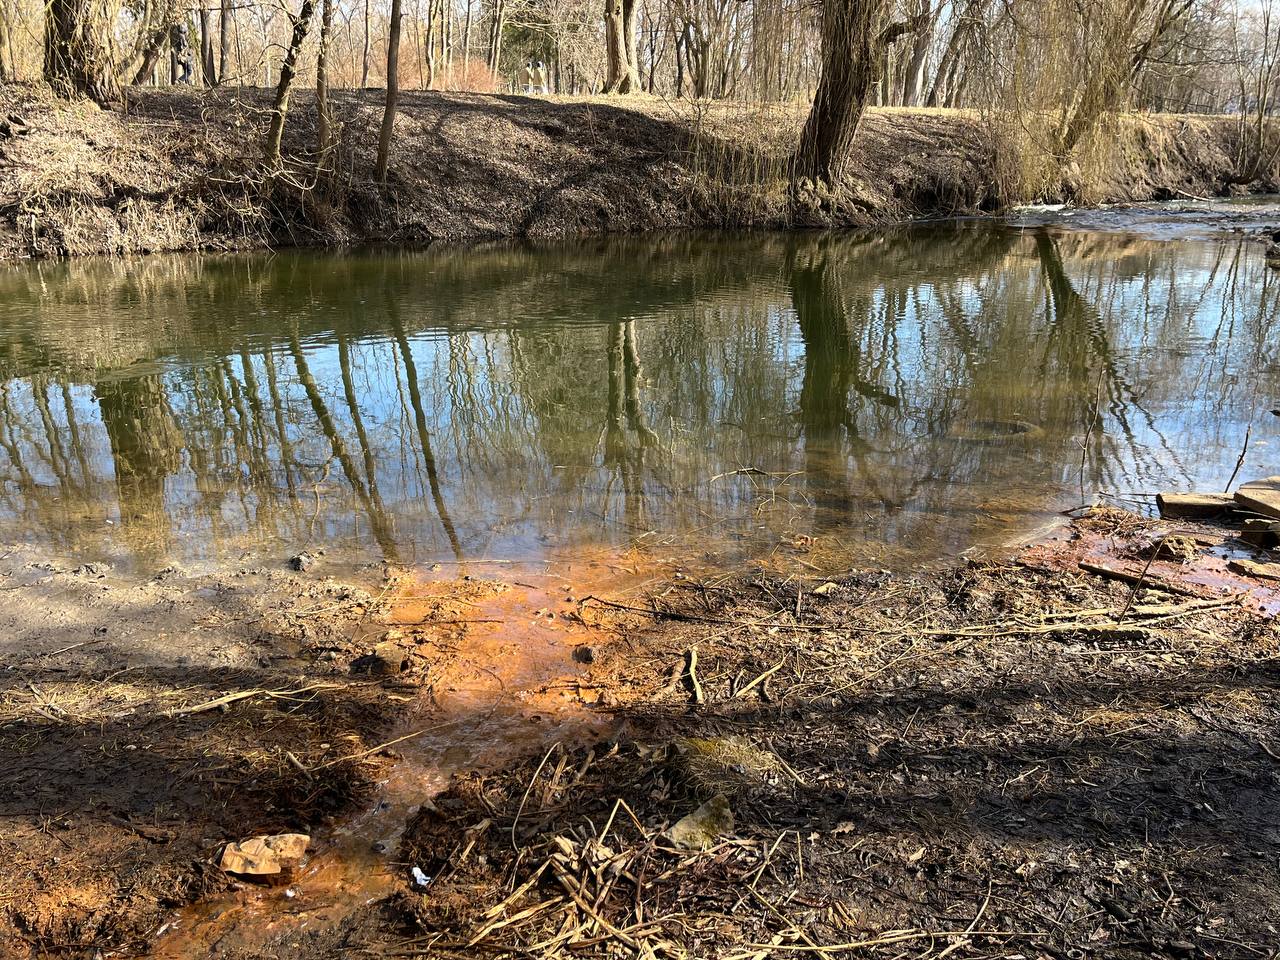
(1111, 573)
(1263, 571)
(1192, 505)
(1261, 496)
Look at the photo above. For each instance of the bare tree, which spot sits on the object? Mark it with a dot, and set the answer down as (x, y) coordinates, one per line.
(622, 72)
(224, 39)
(497, 23)
(364, 63)
(1256, 47)
(208, 67)
(1120, 36)
(393, 92)
(324, 118)
(288, 69)
(153, 37)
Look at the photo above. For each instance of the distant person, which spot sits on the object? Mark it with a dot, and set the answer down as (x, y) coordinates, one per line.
(540, 76)
(181, 46)
(526, 78)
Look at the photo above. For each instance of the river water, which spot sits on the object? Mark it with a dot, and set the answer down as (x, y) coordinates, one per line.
(883, 398)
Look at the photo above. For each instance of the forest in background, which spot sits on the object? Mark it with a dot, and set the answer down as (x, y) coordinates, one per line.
(1060, 67)
(1201, 56)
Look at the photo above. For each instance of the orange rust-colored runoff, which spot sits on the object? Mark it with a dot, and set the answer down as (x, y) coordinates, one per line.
(491, 676)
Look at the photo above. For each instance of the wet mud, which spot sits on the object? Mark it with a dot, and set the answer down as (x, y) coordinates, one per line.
(1018, 755)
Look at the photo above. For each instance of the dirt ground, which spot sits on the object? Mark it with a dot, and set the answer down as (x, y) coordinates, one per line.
(145, 720)
(180, 170)
(1011, 758)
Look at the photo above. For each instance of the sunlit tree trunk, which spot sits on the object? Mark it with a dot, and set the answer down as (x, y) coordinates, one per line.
(850, 54)
(208, 68)
(466, 44)
(224, 40)
(914, 65)
(7, 72)
(623, 75)
(393, 92)
(496, 27)
(364, 63)
(77, 50)
(151, 53)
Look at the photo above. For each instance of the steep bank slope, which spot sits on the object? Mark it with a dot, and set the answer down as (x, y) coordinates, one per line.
(175, 170)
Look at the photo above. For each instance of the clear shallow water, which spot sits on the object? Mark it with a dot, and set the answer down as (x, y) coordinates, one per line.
(521, 403)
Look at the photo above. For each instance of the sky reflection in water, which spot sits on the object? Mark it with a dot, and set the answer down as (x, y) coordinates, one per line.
(521, 403)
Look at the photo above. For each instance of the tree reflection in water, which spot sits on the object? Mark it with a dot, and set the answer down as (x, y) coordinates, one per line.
(517, 402)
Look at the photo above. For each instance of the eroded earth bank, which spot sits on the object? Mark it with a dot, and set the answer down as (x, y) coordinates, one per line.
(180, 170)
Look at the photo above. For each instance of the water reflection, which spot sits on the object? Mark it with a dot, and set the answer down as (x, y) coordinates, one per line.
(720, 396)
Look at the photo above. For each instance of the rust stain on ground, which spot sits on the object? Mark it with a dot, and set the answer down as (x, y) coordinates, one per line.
(494, 662)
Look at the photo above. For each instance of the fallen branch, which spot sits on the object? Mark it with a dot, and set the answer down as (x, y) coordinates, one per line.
(694, 618)
(231, 698)
(1111, 573)
(691, 674)
(760, 679)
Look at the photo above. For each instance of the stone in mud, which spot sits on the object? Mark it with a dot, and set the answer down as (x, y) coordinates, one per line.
(387, 659)
(1192, 505)
(1172, 546)
(703, 828)
(267, 856)
(302, 562)
(1261, 496)
(1261, 533)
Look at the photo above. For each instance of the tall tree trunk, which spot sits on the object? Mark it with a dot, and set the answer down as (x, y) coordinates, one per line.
(622, 75)
(914, 65)
(427, 73)
(947, 66)
(393, 92)
(364, 63)
(680, 42)
(77, 50)
(446, 43)
(280, 110)
(851, 52)
(324, 119)
(224, 40)
(466, 46)
(7, 74)
(495, 35)
(208, 69)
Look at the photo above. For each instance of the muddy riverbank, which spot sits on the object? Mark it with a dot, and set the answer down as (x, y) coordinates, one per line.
(177, 170)
(1016, 756)
(149, 719)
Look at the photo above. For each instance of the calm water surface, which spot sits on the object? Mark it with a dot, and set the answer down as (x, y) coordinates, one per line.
(890, 398)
